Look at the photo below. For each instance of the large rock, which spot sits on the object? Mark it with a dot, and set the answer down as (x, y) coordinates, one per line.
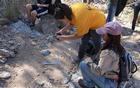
(20, 27)
(47, 24)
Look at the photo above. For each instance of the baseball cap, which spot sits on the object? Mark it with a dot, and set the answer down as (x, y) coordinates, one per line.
(113, 28)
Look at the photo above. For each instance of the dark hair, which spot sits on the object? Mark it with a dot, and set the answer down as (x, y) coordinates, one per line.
(114, 43)
(63, 10)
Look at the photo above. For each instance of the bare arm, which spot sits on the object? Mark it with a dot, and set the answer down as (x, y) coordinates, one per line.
(68, 37)
(65, 28)
(43, 5)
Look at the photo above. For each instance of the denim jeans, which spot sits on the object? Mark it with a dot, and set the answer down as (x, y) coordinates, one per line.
(91, 79)
(111, 11)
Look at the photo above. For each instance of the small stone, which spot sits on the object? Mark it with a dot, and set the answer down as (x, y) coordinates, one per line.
(43, 72)
(66, 80)
(4, 21)
(71, 85)
(11, 42)
(33, 43)
(7, 53)
(4, 52)
(4, 75)
(3, 60)
(45, 52)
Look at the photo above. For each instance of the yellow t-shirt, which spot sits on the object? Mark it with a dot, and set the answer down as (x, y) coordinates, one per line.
(85, 18)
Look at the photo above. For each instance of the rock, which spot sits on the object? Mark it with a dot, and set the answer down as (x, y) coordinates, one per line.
(51, 38)
(45, 52)
(35, 34)
(11, 42)
(4, 75)
(7, 53)
(47, 24)
(71, 85)
(3, 60)
(4, 52)
(57, 62)
(66, 80)
(20, 27)
(76, 76)
(4, 21)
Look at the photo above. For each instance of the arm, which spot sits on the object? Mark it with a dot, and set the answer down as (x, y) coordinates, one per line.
(67, 27)
(68, 37)
(43, 5)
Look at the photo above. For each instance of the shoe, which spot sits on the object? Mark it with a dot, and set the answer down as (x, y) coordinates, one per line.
(82, 85)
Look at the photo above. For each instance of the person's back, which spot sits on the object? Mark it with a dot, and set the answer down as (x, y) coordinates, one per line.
(86, 17)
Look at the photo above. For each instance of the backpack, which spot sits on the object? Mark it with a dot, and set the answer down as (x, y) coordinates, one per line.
(127, 67)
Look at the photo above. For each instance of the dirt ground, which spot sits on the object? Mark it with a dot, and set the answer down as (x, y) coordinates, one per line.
(28, 70)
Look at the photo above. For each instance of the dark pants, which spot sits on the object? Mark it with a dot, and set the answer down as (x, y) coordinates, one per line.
(84, 47)
(111, 10)
(136, 13)
(120, 6)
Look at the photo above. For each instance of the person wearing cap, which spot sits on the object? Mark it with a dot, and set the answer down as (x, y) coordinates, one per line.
(105, 73)
(86, 20)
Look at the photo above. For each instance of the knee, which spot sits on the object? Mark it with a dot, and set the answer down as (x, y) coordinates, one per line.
(29, 6)
(33, 13)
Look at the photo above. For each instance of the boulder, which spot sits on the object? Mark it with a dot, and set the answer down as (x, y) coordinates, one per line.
(47, 24)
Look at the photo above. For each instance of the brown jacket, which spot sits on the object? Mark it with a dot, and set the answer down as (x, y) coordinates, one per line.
(108, 65)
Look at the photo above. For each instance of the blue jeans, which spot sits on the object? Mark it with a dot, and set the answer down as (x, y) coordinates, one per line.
(91, 79)
(111, 11)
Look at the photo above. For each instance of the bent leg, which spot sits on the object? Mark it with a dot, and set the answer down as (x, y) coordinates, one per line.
(91, 79)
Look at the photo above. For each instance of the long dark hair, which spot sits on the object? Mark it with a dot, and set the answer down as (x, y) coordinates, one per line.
(114, 43)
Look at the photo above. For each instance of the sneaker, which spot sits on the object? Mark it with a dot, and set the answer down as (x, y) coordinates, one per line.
(82, 85)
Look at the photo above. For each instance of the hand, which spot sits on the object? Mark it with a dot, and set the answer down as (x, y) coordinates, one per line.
(38, 5)
(60, 38)
(59, 32)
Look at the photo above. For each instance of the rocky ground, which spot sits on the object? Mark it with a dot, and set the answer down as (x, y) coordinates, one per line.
(30, 59)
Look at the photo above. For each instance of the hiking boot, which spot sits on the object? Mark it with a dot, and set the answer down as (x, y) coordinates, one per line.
(82, 85)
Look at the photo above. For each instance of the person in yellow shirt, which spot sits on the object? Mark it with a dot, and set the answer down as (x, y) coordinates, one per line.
(86, 19)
